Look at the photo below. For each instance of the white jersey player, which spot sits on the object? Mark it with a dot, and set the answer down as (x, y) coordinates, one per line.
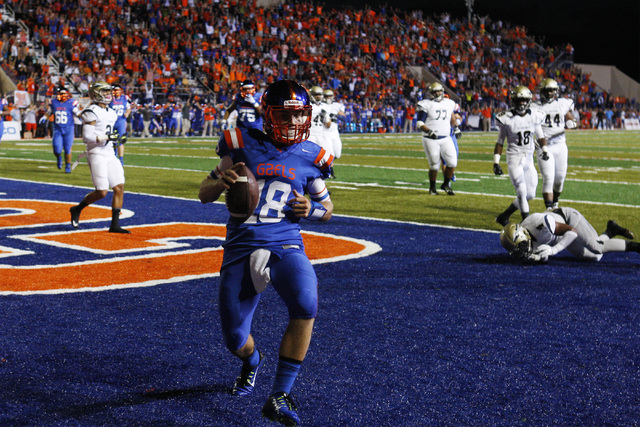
(519, 127)
(98, 134)
(436, 117)
(320, 120)
(557, 116)
(336, 111)
(546, 234)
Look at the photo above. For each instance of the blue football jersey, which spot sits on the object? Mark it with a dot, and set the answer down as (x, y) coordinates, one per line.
(63, 113)
(248, 117)
(120, 106)
(278, 172)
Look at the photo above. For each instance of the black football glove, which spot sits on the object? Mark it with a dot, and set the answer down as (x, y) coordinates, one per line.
(123, 140)
(431, 134)
(457, 132)
(113, 136)
(544, 156)
(497, 169)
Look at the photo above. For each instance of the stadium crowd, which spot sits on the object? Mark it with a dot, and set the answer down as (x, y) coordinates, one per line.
(174, 55)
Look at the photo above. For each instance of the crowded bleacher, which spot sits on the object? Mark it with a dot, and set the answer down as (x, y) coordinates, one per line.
(191, 55)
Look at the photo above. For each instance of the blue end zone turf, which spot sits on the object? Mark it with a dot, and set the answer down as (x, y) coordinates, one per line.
(440, 327)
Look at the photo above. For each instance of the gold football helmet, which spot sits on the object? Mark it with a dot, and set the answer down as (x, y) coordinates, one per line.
(317, 95)
(101, 92)
(328, 96)
(521, 98)
(436, 90)
(549, 90)
(517, 241)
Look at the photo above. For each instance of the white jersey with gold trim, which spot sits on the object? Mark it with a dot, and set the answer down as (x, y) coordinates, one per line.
(439, 114)
(519, 131)
(105, 119)
(554, 118)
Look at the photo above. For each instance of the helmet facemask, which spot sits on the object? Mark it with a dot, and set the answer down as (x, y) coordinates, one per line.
(101, 93)
(63, 95)
(288, 125)
(317, 95)
(517, 241)
(117, 92)
(247, 90)
(521, 99)
(436, 90)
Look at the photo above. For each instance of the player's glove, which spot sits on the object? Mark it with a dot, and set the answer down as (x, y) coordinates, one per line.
(431, 134)
(545, 251)
(123, 140)
(457, 132)
(113, 136)
(497, 169)
(537, 258)
(544, 156)
(251, 100)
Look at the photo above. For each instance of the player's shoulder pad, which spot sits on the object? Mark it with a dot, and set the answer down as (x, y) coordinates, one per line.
(504, 116)
(231, 139)
(423, 105)
(316, 154)
(567, 102)
(538, 114)
(88, 115)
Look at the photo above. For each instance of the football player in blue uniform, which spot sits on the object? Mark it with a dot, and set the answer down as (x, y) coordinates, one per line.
(267, 249)
(121, 105)
(63, 108)
(249, 110)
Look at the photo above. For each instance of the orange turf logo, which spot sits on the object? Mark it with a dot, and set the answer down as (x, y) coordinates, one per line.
(152, 254)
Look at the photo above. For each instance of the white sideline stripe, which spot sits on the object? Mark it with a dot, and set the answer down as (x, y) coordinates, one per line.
(509, 196)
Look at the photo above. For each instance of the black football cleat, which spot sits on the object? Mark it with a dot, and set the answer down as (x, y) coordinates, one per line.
(75, 217)
(447, 189)
(433, 192)
(502, 219)
(613, 229)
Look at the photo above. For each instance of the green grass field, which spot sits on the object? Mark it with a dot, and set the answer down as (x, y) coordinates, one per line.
(381, 176)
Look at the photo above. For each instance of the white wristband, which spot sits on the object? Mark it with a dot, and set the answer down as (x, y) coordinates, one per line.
(496, 158)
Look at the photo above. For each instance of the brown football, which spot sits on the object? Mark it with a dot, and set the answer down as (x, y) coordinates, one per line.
(242, 197)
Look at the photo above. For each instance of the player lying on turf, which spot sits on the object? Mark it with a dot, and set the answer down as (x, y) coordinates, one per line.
(542, 235)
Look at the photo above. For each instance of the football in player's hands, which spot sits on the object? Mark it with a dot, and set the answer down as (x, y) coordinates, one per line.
(242, 197)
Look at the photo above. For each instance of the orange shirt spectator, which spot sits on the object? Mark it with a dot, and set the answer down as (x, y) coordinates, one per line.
(209, 113)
